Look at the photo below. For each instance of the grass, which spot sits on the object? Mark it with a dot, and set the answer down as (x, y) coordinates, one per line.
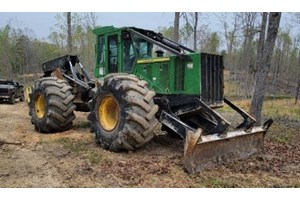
(220, 183)
(85, 150)
(215, 182)
(283, 108)
(284, 112)
(74, 146)
(93, 157)
(83, 124)
(278, 108)
(282, 133)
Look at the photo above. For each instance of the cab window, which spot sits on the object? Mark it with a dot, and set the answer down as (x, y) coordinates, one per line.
(101, 56)
(129, 55)
(113, 54)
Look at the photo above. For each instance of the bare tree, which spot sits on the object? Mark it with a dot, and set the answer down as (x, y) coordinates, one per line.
(176, 27)
(91, 19)
(230, 35)
(195, 31)
(191, 20)
(264, 66)
(248, 22)
(261, 40)
(69, 32)
(261, 44)
(298, 82)
(297, 91)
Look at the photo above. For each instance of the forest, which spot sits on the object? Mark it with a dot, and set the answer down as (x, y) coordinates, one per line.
(236, 37)
(261, 54)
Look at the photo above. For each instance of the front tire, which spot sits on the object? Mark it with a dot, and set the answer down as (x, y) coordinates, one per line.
(123, 113)
(12, 99)
(51, 105)
(22, 98)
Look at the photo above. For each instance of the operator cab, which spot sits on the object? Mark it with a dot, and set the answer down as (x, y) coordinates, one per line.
(120, 50)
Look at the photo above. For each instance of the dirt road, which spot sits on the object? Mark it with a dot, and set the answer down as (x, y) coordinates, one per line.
(72, 159)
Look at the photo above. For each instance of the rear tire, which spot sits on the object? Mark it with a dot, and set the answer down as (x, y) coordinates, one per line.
(123, 113)
(51, 107)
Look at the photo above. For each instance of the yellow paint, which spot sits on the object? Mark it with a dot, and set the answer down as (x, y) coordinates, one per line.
(39, 106)
(27, 92)
(108, 113)
(152, 60)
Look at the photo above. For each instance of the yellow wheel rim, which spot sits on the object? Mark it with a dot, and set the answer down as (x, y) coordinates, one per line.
(108, 113)
(40, 106)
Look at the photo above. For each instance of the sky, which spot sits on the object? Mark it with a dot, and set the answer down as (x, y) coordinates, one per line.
(39, 16)
(41, 22)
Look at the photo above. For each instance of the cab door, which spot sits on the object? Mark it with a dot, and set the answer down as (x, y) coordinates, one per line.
(113, 52)
(100, 50)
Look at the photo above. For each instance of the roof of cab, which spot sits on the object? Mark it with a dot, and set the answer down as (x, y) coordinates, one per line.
(107, 29)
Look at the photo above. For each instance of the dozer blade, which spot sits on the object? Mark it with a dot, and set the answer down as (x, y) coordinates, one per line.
(203, 151)
(207, 139)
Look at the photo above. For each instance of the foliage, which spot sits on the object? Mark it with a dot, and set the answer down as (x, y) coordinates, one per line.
(166, 31)
(22, 54)
(236, 38)
(83, 39)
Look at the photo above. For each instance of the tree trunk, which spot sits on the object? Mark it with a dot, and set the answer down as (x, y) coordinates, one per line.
(176, 27)
(264, 67)
(260, 45)
(69, 32)
(195, 31)
(298, 84)
(248, 21)
(297, 91)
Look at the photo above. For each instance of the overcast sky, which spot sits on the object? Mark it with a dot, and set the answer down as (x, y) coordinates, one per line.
(42, 22)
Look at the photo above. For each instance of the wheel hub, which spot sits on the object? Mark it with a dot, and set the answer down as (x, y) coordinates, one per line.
(108, 113)
(40, 106)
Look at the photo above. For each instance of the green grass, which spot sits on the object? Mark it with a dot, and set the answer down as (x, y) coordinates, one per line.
(278, 97)
(74, 146)
(86, 151)
(220, 183)
(278, 108)
(279, 132)
(83, 124)
(283, 108)
(93, 157)
(284, 112)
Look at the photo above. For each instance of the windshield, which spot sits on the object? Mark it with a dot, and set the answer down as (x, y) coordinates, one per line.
(142, 47)
(6, 82)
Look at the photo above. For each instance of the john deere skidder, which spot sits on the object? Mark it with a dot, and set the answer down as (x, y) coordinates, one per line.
(145, 82)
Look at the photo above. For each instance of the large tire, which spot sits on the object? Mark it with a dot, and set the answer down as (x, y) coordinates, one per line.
(123, 113)
(12, 99)
(22, 98)
(51, 107)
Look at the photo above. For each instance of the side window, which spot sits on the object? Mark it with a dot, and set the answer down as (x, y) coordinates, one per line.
(142, 47)
(101, 56)
(128, 56)
(113, 54)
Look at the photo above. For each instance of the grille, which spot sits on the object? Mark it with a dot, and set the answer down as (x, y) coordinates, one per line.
(212, 79)
(3, 90)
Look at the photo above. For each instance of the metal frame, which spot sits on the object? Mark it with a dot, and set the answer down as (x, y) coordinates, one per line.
(211, 121)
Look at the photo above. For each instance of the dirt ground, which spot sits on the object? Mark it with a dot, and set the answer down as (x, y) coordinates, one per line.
(73, 159)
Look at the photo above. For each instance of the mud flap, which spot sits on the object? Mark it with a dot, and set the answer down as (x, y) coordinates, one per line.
(201, 151)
